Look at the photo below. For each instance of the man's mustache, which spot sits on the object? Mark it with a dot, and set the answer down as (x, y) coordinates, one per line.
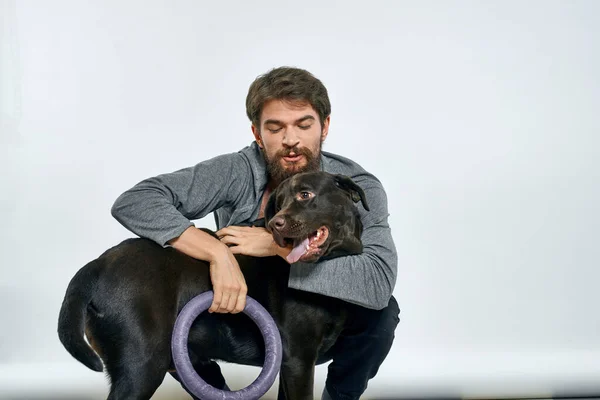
(296, 150)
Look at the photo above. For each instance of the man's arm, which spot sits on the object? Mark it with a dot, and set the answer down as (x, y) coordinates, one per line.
(228, 282)
(161, 208)
(367, 279)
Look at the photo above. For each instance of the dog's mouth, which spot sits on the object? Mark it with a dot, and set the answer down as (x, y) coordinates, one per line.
(307, 248)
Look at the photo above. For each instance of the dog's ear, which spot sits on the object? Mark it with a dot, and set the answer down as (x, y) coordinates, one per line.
(355, 191)
(270, 208)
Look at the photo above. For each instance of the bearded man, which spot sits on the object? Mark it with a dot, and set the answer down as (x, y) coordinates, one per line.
(289, 110)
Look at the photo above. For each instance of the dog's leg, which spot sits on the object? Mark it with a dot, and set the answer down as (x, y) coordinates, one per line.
(296, 378)
(137, 381)
(210, 372)
(136, 366)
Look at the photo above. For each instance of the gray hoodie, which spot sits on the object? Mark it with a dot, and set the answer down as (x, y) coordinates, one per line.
(232, 186)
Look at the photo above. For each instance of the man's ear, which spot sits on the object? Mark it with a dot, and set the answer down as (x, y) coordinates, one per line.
(257, 137)
(325, 128)
(355, 191)
(270, 208)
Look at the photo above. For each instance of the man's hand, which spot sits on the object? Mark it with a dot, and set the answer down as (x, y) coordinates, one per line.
(251, 241)
(229, 285)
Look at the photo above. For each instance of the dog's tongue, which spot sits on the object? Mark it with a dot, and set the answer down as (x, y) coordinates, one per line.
(297, 252)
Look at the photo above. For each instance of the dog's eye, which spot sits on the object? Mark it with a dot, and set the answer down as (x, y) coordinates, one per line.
(304, 195)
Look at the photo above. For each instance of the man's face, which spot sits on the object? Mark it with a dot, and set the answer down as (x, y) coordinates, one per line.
(290, 136)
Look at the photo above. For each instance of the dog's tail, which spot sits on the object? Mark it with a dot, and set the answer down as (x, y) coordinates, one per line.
(73, 312)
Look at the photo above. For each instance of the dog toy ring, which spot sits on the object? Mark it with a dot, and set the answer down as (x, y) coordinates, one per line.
(185, 369)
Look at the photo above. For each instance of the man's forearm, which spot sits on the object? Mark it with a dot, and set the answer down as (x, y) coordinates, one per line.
(363, 279)
(228, 283)
(148, 211)
(199, 244)
(161, 208)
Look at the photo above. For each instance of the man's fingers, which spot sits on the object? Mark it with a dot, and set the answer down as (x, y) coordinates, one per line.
(224, 232)
(231, 230)
(217, 298)
(232, 301)
(224, 302)
(241, 302)
(238, 249)
(235, 231)
(230, 240)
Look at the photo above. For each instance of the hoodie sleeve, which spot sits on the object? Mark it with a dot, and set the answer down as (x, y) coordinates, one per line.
(162, 207)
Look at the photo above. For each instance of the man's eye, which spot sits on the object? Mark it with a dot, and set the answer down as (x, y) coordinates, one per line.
(304, 127)
(274, 130)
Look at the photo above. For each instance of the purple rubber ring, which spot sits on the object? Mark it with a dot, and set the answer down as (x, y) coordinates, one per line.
(183, 364)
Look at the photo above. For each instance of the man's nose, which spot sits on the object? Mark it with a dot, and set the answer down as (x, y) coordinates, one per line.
(290, 139)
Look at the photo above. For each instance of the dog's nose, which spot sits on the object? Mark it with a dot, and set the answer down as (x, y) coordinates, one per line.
(277, 223)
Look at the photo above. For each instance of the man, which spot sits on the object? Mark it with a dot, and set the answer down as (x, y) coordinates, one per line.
(290, 113)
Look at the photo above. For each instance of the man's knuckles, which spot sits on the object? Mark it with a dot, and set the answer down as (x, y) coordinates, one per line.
(232, 288)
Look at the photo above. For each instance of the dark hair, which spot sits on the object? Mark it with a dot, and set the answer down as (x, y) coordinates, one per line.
(290, 84)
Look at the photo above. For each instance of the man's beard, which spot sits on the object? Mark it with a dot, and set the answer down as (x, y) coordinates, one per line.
(278, 173)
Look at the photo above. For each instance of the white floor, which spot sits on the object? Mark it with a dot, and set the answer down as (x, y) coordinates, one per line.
(73, 381)
(417, 375)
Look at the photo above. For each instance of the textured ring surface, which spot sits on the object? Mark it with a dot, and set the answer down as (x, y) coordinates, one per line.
(185, 369)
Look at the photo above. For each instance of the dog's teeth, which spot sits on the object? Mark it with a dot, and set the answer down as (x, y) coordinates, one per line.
(318, 234)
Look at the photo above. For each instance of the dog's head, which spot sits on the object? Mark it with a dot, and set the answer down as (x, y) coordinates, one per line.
(315, 212)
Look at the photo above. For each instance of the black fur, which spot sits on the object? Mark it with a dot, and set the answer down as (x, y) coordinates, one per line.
(127, 300)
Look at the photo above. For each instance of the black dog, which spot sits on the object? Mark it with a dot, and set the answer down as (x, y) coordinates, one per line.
(126, 301)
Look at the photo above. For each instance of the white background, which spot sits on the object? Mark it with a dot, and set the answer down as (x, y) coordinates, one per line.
(480, 118)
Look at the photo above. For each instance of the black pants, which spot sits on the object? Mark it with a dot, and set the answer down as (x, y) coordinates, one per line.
(360, 350)
(356, 356)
